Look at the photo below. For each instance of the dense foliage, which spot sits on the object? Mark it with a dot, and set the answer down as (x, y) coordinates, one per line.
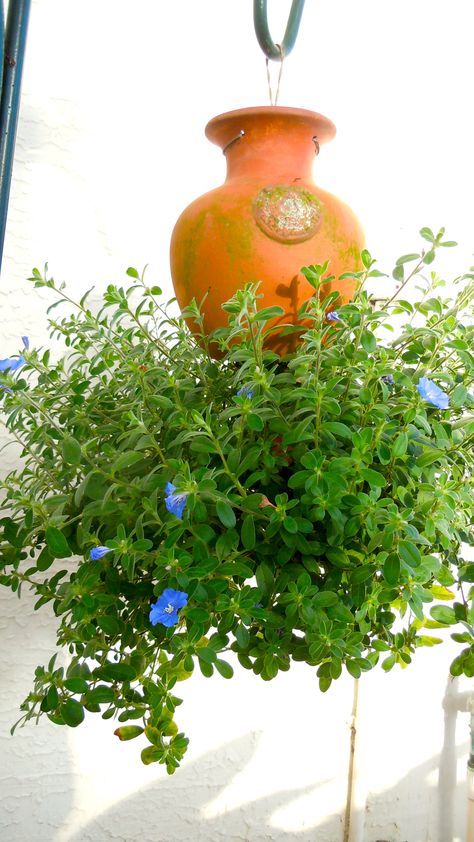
(310, 508)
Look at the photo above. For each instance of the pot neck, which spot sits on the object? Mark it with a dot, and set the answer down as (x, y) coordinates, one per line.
(270, 142)
(270, 157)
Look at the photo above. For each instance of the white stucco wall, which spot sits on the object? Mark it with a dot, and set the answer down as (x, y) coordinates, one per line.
(110, 150)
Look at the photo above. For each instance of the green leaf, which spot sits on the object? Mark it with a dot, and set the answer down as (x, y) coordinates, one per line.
(410, 553)
(407, 258)
(57, 543)
(242, 636)
(400, 445)
(389, 663)
(236, 568)
(206, 669)
(290, 524)
(366, 258)
(265, 582)
(427, 234)
(142, 545)
(126, 460)
(338, 557)
(198, 615)
(76, 685)
(52, 698)
(225, 513)
(100, 694)
(373, 477)
(353, 669)
(109, 625)
(205, 653)
(117, 672)
(391, 569)
(268, 313)
(429, 457)
(443, 614)
(204, 532)
(254, 422)
(339, 429)
(398, 273)
(72, 712)
(325, 599)
(71, 449)
(128, 732)
(368, 341)
(44, 560)
(151, 754)
(440, 592)
(223, 668)
(247, 532)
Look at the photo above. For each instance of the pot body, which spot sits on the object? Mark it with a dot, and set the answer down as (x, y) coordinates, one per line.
(266, 221)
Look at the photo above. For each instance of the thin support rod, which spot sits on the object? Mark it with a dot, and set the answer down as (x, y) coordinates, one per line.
(15, 44)
(274, 51)
(348, 816)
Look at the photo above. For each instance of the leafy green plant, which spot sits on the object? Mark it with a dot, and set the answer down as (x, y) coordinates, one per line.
(182, 512)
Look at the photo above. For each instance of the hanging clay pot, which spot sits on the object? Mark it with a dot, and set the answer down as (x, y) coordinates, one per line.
(267, 220)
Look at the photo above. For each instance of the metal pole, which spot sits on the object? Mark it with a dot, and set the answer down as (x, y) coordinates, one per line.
(14, 52)
(2, 37)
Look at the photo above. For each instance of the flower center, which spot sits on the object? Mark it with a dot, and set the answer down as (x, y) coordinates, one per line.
(169, 608)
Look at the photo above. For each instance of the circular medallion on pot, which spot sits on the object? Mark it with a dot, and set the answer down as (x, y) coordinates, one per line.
(287, 213)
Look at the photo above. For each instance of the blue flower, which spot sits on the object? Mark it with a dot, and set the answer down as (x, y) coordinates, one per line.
(388, 378)
(6, 389)
(165, 609)
(245, 392)
(10, 364)
(26, 342)
(431, 393)
(98, 552)
(175, 503)
(333, 316)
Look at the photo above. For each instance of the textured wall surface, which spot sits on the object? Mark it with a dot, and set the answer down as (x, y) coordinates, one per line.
(110, 150)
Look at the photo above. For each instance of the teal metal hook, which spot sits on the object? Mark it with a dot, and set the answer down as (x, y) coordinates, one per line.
(277, 52)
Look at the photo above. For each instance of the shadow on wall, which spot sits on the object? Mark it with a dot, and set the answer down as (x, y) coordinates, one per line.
(175, 808)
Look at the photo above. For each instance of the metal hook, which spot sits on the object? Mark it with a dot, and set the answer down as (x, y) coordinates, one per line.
(275, 51)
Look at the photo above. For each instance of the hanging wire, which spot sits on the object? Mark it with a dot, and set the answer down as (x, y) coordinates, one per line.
(274, 100)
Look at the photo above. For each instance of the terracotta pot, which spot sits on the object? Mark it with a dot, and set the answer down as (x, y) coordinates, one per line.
(267, 221)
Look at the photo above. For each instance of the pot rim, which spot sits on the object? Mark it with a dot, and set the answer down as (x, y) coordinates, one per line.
(222, 128)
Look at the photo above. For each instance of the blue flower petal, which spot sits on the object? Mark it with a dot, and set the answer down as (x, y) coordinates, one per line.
(9, 364)
(175, 503)
(388, 378)
(26, 342)
(245, 392)
(165, 609)
(432, 393)
(98, 552)
(333, 316)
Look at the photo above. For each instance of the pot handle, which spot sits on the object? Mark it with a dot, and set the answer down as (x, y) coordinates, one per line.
(274, 51)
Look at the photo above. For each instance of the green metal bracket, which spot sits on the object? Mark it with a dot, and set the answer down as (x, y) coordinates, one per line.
(277, 52)
(13, 45)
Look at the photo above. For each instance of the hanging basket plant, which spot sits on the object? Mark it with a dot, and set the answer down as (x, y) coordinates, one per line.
(181, 513)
